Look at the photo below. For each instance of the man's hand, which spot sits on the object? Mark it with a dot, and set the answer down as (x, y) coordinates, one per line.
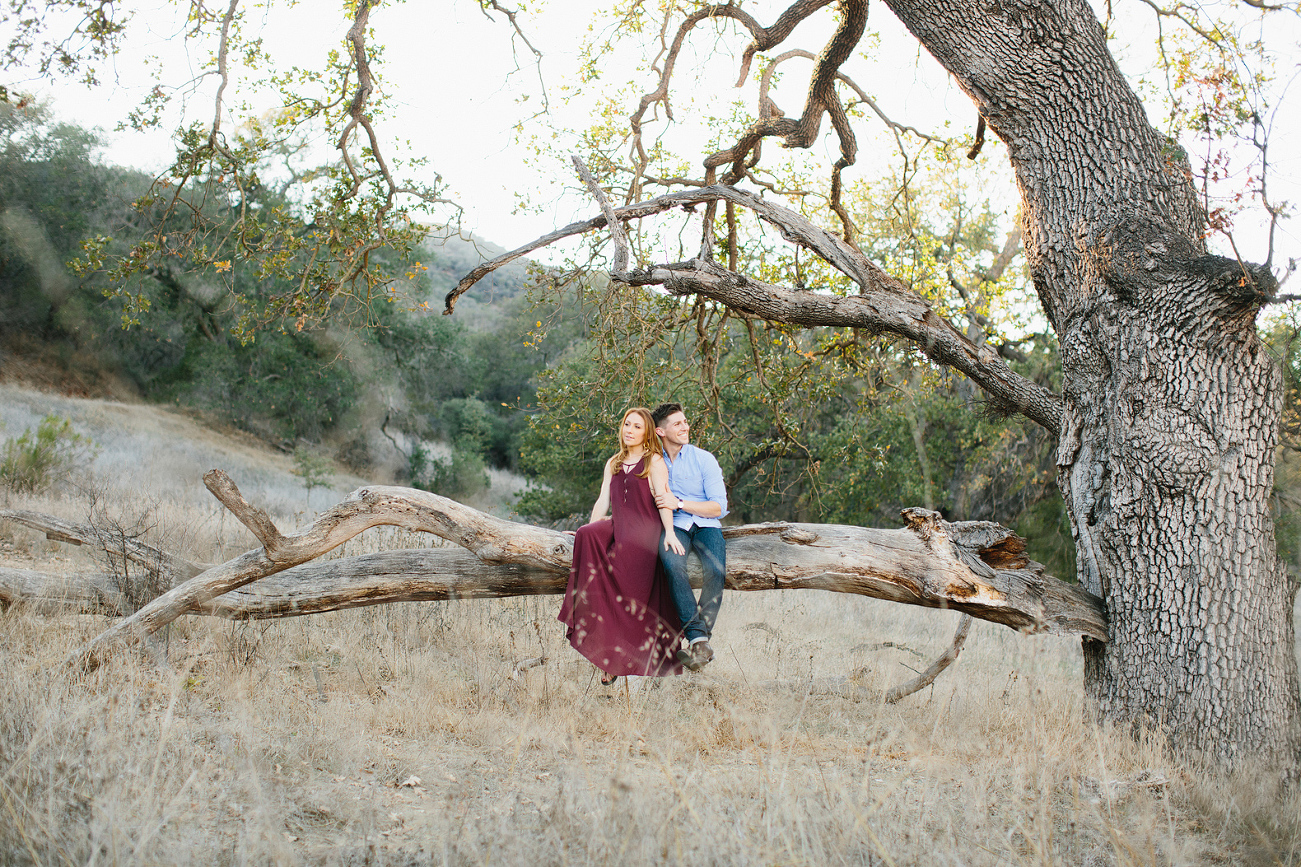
(666, 500)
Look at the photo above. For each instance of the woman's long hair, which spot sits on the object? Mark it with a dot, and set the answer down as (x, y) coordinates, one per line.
(651, 443)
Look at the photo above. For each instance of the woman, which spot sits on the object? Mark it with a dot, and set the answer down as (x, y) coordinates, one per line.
(618, 611)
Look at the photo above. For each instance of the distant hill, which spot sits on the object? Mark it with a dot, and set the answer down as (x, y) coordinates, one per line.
(451, 257)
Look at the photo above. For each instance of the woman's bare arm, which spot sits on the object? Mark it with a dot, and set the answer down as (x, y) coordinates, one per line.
(602, 506)
(659, 479)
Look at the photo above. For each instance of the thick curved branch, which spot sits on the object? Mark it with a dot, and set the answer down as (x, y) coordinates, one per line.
(844, 79)
(840, 121)
(223, 71)
(617, 233)
(365, 86)
(763, 39)
(883, 302)
(776, 34)
(661, 93)
(906, 315)
(821, 100)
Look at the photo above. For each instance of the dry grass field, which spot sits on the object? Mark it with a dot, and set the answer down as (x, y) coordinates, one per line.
(403, 735)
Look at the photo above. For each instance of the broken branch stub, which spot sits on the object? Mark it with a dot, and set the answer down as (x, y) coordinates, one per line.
(927, 677)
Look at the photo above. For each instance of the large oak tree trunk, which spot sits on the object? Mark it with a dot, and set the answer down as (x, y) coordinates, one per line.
(1167, 458)
(1171, 404)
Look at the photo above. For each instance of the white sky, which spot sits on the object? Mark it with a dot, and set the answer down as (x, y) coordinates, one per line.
(446, 67)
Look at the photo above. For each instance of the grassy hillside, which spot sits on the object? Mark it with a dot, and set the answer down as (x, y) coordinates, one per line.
(402, 735)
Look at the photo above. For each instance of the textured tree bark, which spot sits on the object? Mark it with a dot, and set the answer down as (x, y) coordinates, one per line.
(1170, 402)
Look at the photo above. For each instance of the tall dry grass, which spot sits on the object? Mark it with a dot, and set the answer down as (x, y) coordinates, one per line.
(404, 735)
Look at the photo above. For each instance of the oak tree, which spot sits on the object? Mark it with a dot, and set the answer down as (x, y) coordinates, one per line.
(1167, 420)
(1166, 424)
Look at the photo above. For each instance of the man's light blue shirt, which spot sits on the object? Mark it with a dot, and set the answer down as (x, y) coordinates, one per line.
(695, 475)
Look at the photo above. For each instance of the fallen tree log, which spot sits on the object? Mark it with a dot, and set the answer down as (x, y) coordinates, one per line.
(423, 575)
(115, 544)
(978, 568)
(760, 562)
(61, 594)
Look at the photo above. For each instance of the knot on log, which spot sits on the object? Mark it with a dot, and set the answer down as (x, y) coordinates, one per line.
(923, 522)
(933, 532)
(798, 536)
(994, 544)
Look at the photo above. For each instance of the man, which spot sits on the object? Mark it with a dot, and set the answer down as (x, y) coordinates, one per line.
(698, 499)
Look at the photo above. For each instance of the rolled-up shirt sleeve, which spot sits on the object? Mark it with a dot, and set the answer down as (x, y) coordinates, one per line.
(715, 490)
(695, 475)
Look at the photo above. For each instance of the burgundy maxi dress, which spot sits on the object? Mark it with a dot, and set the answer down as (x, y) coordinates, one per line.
(618, 611)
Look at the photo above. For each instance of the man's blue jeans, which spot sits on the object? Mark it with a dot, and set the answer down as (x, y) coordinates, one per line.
(707, 542)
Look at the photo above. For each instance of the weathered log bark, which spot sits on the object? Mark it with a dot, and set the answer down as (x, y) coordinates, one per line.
(975, 567)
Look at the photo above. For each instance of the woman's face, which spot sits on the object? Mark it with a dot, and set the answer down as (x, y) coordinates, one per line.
(634, 430)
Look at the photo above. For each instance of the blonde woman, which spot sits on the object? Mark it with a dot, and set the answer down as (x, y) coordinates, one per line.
(618, 609)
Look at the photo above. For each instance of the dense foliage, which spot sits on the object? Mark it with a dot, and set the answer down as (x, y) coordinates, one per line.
(174, 333)
(809, 424)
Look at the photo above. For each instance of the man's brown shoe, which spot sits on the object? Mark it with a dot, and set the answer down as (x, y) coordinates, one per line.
(696, 656)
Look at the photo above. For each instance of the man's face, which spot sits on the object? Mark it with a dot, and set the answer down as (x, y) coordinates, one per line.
(675, 429)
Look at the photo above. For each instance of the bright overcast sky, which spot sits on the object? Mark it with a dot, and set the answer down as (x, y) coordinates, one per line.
(448, 69)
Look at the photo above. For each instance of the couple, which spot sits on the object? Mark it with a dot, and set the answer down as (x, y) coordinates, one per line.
(629, 603)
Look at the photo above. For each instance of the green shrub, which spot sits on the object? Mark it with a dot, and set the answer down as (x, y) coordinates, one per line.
(314, 468)
(39, 459)
(461, 475)
(280, 387)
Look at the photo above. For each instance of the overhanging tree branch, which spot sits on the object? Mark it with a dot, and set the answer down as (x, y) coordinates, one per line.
(883, 304)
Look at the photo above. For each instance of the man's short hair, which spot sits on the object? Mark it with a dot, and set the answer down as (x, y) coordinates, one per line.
(663, 411)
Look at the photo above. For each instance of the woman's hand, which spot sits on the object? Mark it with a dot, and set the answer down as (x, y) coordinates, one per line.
(672, 543)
